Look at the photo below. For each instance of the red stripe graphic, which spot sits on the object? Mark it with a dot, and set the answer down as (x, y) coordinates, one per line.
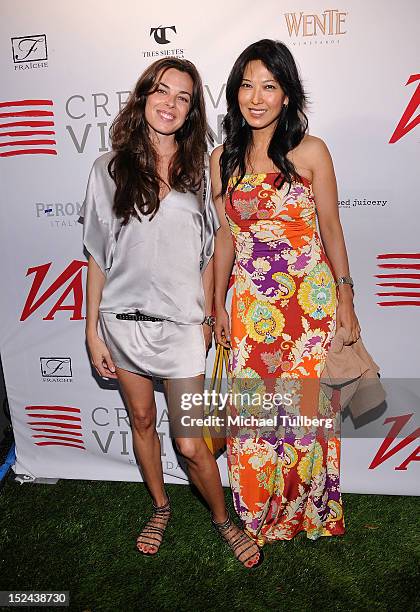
(401, 293)
(53, 424)
(402, 303)
(29, 113)
(400, 264)
(399, 256)
(51, 430)
(66, 438)
(27, 103)
(407, 285)
(59, 444)
(56, 431)
(27, 133)
(406, 266)
(63, 408)
(64, 417)
(20, 143)
(27, 124)
(397, 275)
(29, 152)
(25, 113)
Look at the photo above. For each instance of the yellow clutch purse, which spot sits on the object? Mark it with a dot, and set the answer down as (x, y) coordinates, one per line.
(214, 436)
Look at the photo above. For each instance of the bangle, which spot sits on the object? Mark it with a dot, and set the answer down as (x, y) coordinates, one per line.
(209, 320)
(345, 280)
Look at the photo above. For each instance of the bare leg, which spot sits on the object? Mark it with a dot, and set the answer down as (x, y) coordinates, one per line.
(139, 395)
(202, 467)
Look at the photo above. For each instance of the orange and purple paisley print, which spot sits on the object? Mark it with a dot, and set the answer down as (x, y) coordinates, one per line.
(282, 323)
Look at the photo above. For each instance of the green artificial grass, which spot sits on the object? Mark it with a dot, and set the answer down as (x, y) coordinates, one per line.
(80, 536)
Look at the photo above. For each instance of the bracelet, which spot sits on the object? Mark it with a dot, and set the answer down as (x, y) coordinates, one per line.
(209, 320)
(345, 280)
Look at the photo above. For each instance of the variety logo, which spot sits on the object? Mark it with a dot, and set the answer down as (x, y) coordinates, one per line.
(159, 34)
(405, 125)
(386, 450)
(27, 128)
(402, 280)
(28, 49)
(56, 367)
(55, 426)
(69, 282)
(329, 23)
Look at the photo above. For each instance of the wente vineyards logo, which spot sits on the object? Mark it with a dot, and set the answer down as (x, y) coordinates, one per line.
(328, 23)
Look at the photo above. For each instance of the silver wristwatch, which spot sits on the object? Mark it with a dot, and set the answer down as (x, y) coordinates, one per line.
(345, 280)
(209, 320)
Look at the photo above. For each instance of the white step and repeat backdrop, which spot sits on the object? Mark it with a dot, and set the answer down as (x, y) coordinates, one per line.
(66, 69)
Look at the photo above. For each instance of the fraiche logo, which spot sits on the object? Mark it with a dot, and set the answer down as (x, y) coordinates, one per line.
(30, 51)
(27, 128)
(55, 426)
(402, 280)
(385, 451)
(405, 125)
(159, 34)
(56, 367)
(329, 23)
(68, 283)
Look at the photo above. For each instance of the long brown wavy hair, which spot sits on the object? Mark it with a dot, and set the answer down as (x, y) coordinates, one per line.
(134, 166)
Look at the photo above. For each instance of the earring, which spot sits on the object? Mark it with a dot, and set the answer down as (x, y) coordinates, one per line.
(243, 122)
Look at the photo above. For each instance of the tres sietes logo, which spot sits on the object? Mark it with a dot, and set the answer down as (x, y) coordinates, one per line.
(159, 34)
(162, 35)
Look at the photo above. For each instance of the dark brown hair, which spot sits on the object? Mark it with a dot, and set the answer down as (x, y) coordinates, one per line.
(133, 168)
(291, 125)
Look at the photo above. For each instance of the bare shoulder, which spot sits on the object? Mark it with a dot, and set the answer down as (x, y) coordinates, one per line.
(312, 146)
(215, 167)
(215, 156)
(311, 153)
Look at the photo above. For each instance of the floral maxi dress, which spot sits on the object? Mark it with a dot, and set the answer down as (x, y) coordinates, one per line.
(282, 323)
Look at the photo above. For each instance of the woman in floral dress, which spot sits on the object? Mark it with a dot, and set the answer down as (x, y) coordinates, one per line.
(291, 290)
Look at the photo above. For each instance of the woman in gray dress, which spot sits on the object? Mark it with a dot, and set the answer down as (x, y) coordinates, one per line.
(149, 224)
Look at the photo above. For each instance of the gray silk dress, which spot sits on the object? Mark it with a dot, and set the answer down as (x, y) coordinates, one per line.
(153, 266)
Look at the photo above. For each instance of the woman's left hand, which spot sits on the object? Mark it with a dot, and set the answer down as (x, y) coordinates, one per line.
(346, 317)
(208, 334)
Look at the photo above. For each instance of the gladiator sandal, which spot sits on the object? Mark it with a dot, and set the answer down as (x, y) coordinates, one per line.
(243, 547)
(152, 532)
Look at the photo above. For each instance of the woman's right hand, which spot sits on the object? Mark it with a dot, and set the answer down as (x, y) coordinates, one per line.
(222, 327)
(100, 357)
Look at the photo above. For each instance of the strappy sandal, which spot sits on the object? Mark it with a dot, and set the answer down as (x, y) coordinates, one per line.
(152, 532)
(240, 543)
